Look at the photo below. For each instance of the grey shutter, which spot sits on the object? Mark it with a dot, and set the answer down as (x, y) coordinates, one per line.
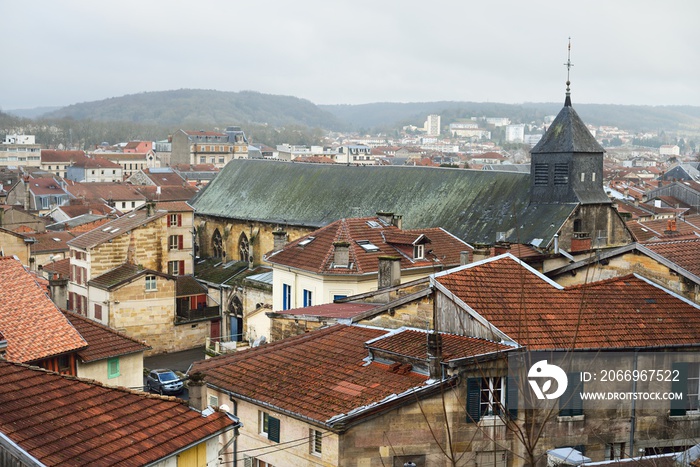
(273, 429)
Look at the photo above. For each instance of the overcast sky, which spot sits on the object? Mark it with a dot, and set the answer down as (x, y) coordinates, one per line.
(61, 52)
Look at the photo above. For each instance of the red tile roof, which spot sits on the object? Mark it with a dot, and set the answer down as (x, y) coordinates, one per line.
(168, 192)
(50, 156)
(75, 210)
(34, 327)
(317, 375)
(331, 310)
(684, 253)
(65, 421)
(104, 191)
(413, 343)
(174, 206)
(318, 255)
(534, 311)
(45, 186)
(656, 228)
(60, 267)
(96, 162)
(115, 228)
(164, 178)
(103, 342)
(48, 242)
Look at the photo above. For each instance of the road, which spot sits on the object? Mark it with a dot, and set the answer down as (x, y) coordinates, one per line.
(177, 361)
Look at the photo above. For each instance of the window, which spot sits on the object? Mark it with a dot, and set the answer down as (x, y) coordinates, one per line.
(614, 451)
(583, 176)
(541, 174)
(688, 382)
(561, 174)
(112, 367)
(98, 312)
(286, 296)
(123, 204)
(270, 427)
(133, 204)
(339, 297)
(489, 396)
(308, 298)
(175, 220)
(418, 251)
(368, 246)
(593, 176)
(254, 462)
(150, 283)
(316, 441)
(570, 403)
(175, 242)
(176, 268)
(202, 160)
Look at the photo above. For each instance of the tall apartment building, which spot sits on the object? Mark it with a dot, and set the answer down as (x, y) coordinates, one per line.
(432, 125)
(18, 150)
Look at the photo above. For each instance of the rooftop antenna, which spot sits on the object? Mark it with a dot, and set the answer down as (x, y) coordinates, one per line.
(568, 64)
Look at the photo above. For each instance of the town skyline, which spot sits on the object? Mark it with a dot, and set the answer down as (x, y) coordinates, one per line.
(354, 53)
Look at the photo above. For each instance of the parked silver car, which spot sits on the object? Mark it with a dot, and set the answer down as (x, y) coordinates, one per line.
(164, 382)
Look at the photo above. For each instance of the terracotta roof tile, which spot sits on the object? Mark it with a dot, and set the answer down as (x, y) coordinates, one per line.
(656, 228)
(65, 421)
(168, 192)
(618, 313)
(685, 253)
(47, 242)
(49, 156)
(104, 191)
(103, 342)
(34, 327)
(60, 267)
(332, 310)
(318, 255)
(310, 375)
(413, 343)
(114, 228)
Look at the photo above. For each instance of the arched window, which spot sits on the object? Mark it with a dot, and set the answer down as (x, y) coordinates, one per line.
(217, 244)
(244, 248)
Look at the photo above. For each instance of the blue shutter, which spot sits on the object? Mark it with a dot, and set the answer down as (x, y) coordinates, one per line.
(473, 400)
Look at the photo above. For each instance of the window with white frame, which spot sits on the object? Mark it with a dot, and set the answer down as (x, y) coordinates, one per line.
(213, 401)
(150, 283)
(418, 251)
(316, 441)
(270, 427)
(493, 397)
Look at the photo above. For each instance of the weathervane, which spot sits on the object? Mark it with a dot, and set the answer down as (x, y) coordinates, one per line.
(568, 71)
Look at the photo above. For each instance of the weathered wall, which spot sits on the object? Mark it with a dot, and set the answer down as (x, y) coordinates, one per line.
(130, 371)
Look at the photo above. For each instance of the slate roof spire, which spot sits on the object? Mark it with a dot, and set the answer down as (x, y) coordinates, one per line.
(567, 101)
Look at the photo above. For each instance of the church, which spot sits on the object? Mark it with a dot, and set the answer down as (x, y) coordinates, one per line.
(560, 205)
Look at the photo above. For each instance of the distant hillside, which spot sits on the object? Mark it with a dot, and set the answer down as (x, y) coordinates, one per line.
(31, 113)
(189, 108)
(629, 117)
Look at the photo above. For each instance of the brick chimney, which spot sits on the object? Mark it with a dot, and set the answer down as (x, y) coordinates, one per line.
(341, 252)
(280, 239)
(481, 252)
(389, 273)
(27, 193)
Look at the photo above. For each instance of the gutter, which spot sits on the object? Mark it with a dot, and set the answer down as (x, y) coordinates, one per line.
(15, 450)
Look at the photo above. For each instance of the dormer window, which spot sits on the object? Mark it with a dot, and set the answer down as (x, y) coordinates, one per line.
(418, 251)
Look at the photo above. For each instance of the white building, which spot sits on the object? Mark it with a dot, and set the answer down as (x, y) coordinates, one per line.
(432, 125)
(515, 133)
(20, 150)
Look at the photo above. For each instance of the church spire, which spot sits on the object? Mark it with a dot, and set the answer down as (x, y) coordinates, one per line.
(567, 101)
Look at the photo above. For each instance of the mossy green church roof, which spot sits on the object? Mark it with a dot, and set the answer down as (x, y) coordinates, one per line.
(473, 205)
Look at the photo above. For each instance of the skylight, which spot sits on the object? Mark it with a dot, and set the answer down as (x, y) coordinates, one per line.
(106, 229)
(374, 224)
(368, 246)
(306, 241)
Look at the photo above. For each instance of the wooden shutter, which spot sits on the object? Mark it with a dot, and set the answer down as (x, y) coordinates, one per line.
(182, 267)
(180, 241)
(179, 220)
(273, 429)
(678, 407)
(473, 400)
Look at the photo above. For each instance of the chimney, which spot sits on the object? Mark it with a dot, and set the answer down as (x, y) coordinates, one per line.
(386, 217)
(280, 239)
(27, 193)
(556, 244)
(397, 220)
(464, 258)
(480, 252)
(389, 273)
(501, 247)
(150, 209)
(197, 391)
(341, 252)
(434, 355)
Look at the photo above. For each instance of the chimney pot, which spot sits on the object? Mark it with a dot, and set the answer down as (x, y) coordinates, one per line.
(280, 239)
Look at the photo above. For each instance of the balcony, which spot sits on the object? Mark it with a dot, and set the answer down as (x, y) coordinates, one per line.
(184, 314)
